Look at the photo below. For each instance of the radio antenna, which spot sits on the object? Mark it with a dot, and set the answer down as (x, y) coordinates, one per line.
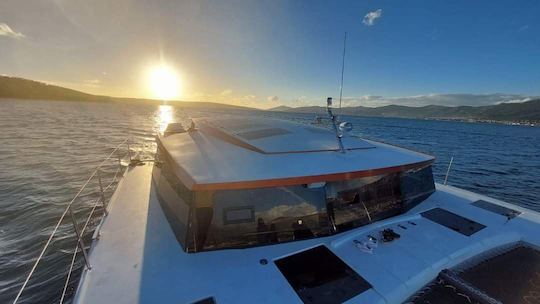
(342, 70)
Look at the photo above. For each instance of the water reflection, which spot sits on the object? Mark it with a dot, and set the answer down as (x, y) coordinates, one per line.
(164, 117)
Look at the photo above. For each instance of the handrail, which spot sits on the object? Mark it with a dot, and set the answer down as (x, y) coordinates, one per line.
(68, 277)
(448, 171)
(68, 210)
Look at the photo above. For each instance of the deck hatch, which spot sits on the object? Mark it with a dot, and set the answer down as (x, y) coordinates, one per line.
(256, 134)
(453, 221)
(319, 276)
(501, 210)
(239, 125)
(275, 136)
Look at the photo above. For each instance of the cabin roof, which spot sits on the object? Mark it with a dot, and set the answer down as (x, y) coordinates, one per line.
(235, 153)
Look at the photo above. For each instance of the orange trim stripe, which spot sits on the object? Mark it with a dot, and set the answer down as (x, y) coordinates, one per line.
(290, 181)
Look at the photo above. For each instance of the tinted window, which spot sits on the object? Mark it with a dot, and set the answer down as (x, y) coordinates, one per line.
(416, 186)
(174, 197)
(241, 218)
(208, 220)
(358, 202)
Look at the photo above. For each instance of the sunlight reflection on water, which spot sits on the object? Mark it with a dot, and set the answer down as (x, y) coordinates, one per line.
(164, 117)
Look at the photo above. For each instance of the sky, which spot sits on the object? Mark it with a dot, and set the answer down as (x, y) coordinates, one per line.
(269, 53)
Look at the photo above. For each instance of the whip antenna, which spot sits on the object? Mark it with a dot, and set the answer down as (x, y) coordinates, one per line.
(342, 70)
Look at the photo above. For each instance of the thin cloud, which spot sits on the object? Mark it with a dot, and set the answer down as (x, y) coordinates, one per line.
(226, 92)
(246, 101)
(517, 100)
(436, 99)
(523, 28)
(451, 100)
(302, 101)
(369, 18)
(93, 83)
(273, 98)
(6, 31)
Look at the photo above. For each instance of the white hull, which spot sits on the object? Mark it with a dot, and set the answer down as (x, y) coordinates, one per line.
(137, 258)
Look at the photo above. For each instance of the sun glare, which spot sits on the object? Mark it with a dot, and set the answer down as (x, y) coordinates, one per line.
(164, 83)
(164, 117)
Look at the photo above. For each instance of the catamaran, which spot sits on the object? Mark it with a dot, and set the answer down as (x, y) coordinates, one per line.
(242, 210)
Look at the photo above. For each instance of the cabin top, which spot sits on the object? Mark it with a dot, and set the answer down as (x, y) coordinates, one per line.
(237, 153)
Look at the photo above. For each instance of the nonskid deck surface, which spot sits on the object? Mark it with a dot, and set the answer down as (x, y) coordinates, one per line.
(138, 259)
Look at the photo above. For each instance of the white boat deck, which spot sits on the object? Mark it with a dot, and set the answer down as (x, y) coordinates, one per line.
(138, 259)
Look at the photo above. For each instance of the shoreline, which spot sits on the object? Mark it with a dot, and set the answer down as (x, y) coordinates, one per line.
(517, 122)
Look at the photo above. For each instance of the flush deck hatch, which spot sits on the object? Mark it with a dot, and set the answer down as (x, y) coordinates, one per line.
(498, 209)
(319, 276)
(453, 221)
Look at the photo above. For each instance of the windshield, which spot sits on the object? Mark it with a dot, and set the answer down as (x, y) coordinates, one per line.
(209, 220)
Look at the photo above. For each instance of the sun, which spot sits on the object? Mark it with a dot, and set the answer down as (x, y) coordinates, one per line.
(164, 82)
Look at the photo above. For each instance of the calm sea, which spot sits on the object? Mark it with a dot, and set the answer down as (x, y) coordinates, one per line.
(49, 148)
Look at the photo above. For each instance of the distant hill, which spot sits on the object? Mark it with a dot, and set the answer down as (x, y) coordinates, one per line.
(281, 109)
(20, 88)
(525, 111)
(13, 87)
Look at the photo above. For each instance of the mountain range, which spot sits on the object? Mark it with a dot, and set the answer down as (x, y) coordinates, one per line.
(523, 111)
(20, 88)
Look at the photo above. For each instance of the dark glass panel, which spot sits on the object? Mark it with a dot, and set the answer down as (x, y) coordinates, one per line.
(416, 186)
(318, 276)
(453, 221)
(361, 201)
(173, 196)
(263, 216)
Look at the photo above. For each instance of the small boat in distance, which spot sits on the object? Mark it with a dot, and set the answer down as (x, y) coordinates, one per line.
(238, 210)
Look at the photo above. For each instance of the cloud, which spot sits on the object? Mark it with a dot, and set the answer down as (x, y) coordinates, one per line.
(226, 92)
(93, 83)
(246, 101)
(227, 96)
(518, 100)
(369, 18)
(523, 28)
(435, 99)
(6, 31)
(451, 100)
(302, 101)
(272, 98)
